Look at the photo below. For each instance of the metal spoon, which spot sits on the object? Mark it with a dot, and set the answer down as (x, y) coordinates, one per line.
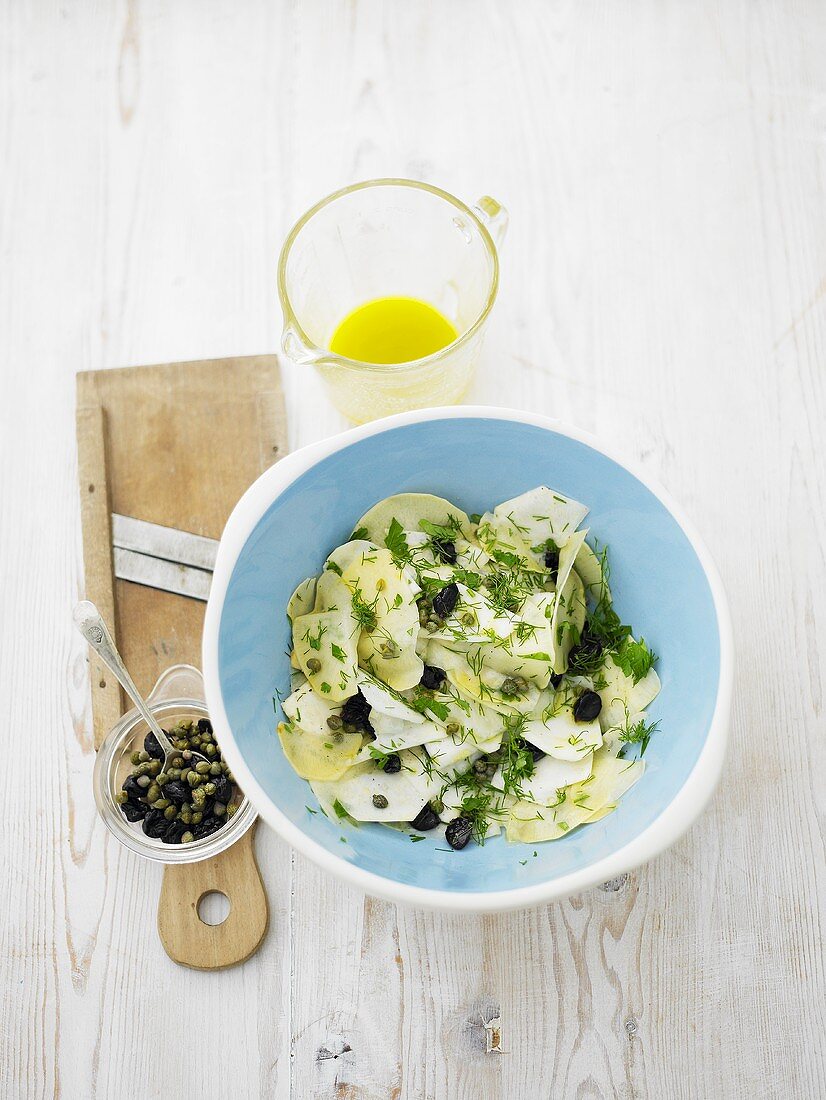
(90, 623)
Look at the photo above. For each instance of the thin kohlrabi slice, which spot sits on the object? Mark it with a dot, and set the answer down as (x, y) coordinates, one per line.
(385, 613)
(385, 701)
(557, 733)
(452, 750)
(325, 645)
(342, 557)
(485, 688)
(317, 756)
(308, 710)
(409, 509)
(569, 602)
(578, 804)
(503, 540)
(541, 514)
(406, 791)
(549, 776)
(302, 600)
(589, 568)
(621, 697)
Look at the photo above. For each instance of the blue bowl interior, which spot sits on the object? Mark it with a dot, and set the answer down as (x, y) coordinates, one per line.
(657, 582)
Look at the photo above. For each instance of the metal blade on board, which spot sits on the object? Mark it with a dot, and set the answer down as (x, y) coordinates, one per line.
(162, 557)
(168, 576)
(163, 542)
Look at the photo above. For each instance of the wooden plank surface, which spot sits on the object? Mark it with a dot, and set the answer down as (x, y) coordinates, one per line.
(153, 443)
(664, 284)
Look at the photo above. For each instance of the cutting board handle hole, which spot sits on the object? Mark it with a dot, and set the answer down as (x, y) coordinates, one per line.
(213, 907)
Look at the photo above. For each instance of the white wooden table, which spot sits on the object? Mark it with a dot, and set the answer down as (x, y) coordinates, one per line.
(664, 285)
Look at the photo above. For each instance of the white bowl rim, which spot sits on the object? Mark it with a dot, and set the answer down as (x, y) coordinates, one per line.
(665, 830)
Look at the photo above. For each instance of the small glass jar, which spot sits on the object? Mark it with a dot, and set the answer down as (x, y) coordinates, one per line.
(178, 694)
(390, 238)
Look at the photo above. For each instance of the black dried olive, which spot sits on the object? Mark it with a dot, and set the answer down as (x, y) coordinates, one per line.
(425, 819)
(206, 827)
(174, 831)
(155, 824)
(204, 725)
(134, 811)
(589, 646)
(445, 601)
(432, 677)
(393, 763)
(153, 746)
(552, 560)
(536, 753)
(223, 789)
(176, 791)
(587, 707)
(356, 712)
(445, 551)
(457, 834)
(133, 787)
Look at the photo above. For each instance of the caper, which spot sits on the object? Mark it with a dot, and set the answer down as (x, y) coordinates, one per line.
(202, 767)
(181, 743)
(121, 797)
(174, 773)
(185, 815)
(452, 728)
(510, 686)
(230, 777)
(160, 803)
(162, 778)
(210, 789)
(187, 755)
(337, 737)
(199, 797)
(153, 793)
(468, 618)
(210, 750)
(135, 757)
(143, 756)
(335, 722)
(219, 809)
(197, 817)
(154, 767)
(389, 649)
(215, 769)
(380, 802)
(177, 761)
(170, 813)
(314, 665)
(143, 780)
(381, 584)
(187, 837)
(193, 779)
(437, 805)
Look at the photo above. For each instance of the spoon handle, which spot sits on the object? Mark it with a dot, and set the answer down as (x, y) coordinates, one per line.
(90, 623)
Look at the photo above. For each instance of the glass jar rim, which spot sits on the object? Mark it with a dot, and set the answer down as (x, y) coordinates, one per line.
(331, 358)
(135, 840)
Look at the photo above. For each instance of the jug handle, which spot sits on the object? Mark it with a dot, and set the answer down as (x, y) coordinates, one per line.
(494, 216)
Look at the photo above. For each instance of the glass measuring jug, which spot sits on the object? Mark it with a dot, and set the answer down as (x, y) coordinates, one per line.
(390, 238)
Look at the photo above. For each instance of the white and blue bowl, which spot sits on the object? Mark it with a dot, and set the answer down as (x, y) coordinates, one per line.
(662, 579)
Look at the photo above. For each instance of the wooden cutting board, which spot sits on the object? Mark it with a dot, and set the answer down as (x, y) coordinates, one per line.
(176, 444)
